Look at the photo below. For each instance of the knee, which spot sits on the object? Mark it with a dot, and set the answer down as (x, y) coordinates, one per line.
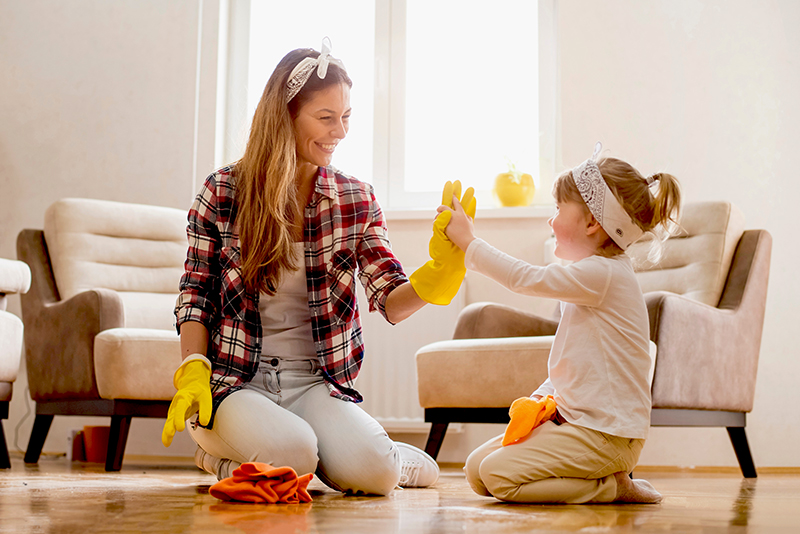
(380, 475)
(472, 472)
(305, 459)
(366, 470)
(297, 449)
(383, 480)
(497, 482)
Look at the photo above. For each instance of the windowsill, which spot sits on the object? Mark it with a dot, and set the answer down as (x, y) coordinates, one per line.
(536, 211)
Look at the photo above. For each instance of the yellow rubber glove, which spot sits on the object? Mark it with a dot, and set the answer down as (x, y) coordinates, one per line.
(437, 281)
(526, 414)
(192, 380)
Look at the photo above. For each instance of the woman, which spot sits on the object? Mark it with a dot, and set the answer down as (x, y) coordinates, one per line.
(267, 315)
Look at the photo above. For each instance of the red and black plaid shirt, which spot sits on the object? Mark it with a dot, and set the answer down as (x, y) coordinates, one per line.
(345, 234)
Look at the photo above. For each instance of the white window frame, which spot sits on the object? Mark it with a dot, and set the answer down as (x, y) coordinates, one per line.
(389, 110)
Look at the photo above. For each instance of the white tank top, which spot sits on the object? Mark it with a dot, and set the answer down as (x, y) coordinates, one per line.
(285, 319)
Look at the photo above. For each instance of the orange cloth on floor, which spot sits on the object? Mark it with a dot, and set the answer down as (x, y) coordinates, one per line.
(526, 414)
(260, 482)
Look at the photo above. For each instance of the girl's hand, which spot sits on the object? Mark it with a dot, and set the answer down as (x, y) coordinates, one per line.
(460, 229)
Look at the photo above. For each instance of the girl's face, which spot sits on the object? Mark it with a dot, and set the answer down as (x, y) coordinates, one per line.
(320, 124)
(572, 226)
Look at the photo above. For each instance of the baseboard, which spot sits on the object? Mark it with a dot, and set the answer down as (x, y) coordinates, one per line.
(713, 469)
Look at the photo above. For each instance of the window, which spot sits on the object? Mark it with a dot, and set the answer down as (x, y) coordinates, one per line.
(442, 90)
(278, 27)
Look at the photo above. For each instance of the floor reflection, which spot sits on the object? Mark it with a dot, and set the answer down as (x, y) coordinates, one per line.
(743, 505)
(262, 518)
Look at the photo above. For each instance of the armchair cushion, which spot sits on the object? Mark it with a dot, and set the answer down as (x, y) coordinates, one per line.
(696, 263)
(136, 250)
(481, 373)
(136, 363)
(485, 372)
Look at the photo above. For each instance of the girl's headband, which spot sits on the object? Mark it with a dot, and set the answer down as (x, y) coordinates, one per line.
(302, 72)
(603, 204)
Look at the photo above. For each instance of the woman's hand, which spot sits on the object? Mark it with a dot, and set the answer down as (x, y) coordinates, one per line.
(192, 380)
(459, 229)
(437, 281)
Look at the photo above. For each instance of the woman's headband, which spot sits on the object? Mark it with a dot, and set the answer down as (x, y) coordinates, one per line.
(603, 204)
(302, 72)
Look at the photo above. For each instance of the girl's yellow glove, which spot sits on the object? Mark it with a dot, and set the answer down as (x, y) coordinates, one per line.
(526, 414)
(437, 281)
(192, 380)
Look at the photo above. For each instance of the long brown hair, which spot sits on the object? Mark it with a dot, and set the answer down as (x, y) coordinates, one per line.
(266, 187)
(657, 212)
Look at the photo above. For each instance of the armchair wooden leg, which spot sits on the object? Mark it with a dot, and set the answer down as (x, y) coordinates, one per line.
(117, 439)
(435, 439)
(5, 459)
(742, 449)
(41, 426)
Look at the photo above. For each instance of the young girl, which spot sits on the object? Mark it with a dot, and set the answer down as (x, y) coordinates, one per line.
(599, 363)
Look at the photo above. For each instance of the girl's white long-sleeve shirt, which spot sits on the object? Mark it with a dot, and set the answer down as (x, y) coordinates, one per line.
(600, 361)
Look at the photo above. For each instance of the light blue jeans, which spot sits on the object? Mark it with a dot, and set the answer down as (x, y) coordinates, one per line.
(286, 417)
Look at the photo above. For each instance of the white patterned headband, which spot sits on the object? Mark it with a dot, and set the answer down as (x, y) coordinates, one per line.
(603, 204)
(302, 72)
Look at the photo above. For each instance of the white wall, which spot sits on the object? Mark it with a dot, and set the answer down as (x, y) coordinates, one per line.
(101, 100)
(98, 100)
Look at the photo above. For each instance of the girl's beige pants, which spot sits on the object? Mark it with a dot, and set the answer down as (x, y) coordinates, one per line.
(556, 463)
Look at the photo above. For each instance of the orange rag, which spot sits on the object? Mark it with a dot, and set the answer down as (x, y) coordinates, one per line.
(260, 482)
(526, 414)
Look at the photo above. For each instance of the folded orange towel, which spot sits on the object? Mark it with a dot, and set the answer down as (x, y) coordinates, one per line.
(526, 414)
(260, 482)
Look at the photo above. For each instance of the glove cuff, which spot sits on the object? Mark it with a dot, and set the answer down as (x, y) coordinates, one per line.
(194, 357)
(190, 359)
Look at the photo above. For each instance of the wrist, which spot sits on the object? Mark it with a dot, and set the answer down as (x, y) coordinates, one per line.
(464, 244)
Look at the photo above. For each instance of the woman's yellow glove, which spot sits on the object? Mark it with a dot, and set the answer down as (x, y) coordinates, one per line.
(192, 380)
(526, 414)
(437, 281)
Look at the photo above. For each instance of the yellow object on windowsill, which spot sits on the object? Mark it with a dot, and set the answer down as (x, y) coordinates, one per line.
(514, 188)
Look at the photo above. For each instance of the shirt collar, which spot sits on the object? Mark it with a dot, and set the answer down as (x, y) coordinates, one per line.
(326, 181)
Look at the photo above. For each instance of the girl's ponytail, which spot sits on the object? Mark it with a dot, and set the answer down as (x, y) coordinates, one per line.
(667, 201)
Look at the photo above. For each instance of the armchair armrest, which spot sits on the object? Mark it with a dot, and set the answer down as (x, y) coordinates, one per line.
(494, 320)
(481, 373)
(707, 357)
(52, 324)
(15, 276)
(59, 344)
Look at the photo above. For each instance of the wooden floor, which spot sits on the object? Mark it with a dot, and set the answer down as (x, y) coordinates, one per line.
(146, 496)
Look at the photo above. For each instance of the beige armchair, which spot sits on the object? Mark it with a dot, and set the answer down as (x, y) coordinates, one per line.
(706, 301)
(15, 277)
(99, 334)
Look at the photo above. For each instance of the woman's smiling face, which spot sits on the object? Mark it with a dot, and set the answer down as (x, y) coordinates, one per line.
(320, 124)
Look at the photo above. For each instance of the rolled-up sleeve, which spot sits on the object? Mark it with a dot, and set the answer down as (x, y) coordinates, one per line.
(380, 271)
(199, 284)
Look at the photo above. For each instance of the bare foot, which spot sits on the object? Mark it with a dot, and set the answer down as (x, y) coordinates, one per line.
(635, 491)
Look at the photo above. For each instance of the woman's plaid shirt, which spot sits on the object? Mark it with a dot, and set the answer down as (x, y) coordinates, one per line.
(345, 234)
